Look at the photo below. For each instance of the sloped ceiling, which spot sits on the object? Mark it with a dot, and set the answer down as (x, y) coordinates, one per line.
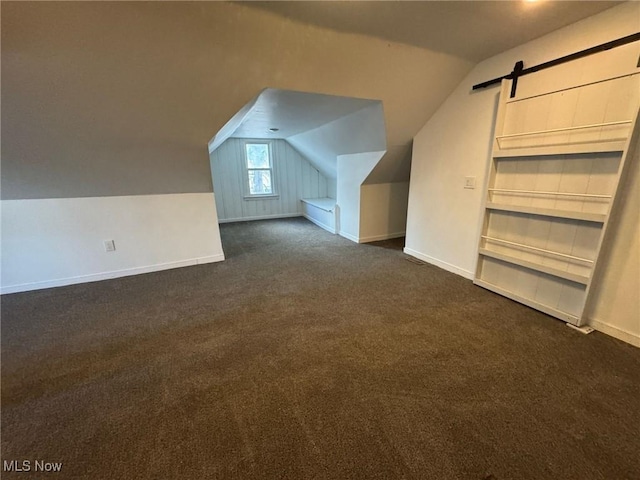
(394, 166)
(473, 30)
(360, 132)
(293, 113)
(121, 98)
(320, 127)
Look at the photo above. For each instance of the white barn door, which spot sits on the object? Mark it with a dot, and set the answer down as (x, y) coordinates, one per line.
(559, 153)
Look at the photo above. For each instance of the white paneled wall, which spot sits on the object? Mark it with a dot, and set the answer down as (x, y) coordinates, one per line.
(294, 178)
(590, 174)
(557, 160)
(594, 113)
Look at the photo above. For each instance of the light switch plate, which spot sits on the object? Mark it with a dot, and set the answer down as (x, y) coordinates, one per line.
(469, 182)
(109, 246)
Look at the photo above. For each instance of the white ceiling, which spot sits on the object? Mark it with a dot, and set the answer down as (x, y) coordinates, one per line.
(294, 112)
(473, 30)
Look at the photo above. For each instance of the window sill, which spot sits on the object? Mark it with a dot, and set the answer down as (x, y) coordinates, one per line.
(261, 197)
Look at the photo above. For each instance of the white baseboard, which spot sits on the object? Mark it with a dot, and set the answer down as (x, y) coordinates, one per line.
(439, 263)
(52, 242)
(386, 236)
(348, 236)
(320, 224)
(61, 282)
(261, 217)
(616, 332)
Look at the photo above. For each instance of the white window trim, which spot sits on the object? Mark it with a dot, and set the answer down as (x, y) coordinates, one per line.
(247, 191)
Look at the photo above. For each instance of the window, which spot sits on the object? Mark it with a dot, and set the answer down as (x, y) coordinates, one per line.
(259, 169)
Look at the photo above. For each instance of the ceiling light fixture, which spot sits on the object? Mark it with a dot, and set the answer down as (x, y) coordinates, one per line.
(273, 129)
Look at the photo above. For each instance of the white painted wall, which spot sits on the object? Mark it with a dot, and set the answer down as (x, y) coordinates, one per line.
(444, 218)
(53, 242)
(383, 211)
(332, 188)
(362, 131)
(295, 178)
(352, 169)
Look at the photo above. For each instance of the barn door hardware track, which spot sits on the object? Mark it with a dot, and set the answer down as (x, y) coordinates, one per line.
(519, 70)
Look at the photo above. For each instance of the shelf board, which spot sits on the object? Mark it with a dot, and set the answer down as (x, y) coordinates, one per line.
(548, 212)
(578, 148)
(567, 317)
(573, 277)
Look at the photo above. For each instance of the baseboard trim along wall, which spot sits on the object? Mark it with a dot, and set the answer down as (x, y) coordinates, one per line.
(261, 217)
(606, 328)
(378, 238)
(615, 332)
(61, 241)
(348, 236)
(61, 282)
(373, 238)
(320, 224)
(439, 263)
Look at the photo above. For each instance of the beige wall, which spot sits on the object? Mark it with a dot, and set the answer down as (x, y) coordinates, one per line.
(383, 211)
(110, 105)
(121, 98)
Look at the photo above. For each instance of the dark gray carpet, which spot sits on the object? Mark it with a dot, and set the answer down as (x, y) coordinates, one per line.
(306, 356)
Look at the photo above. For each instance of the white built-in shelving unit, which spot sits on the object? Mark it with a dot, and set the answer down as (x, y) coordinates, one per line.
(554, 177)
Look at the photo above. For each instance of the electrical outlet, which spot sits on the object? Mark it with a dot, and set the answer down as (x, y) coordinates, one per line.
(469, 182)
(109, 246)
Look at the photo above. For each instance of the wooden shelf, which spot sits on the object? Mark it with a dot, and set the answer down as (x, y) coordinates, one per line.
(612, 144)
(536, 249)
(581, 279)
(578, 148)
(564, 129)
(549, 212)
(567, 317)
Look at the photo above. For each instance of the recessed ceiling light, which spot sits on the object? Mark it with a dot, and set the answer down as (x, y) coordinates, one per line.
(274, 129)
